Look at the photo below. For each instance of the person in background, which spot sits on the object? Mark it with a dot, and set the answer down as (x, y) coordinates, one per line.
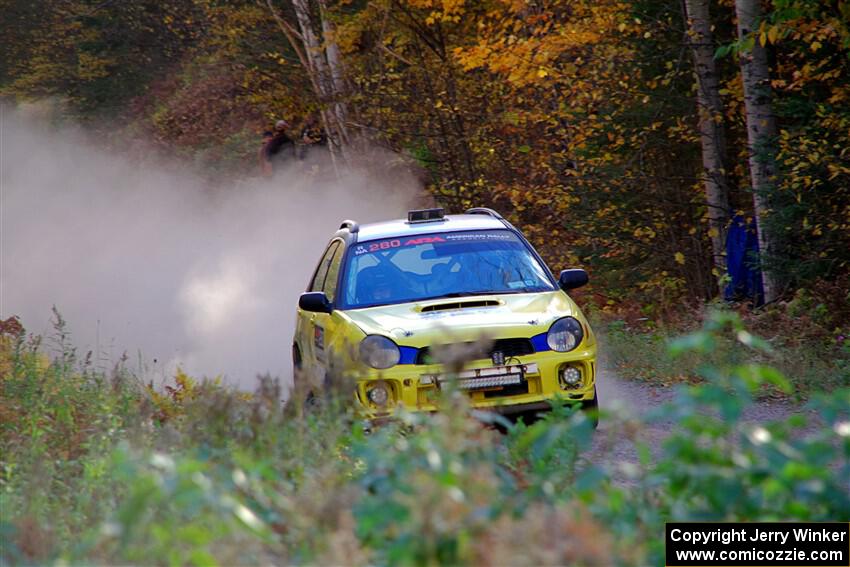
(312, 136)
(265, 162)
(281, 147)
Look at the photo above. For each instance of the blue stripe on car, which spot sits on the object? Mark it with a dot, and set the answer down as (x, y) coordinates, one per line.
(540, 343)
(408, 354)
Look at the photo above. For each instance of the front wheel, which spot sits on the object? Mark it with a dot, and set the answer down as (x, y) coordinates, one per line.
(296, 360)
(310, 402)
(591, 408)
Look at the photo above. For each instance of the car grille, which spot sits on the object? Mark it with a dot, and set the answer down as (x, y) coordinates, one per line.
(505, 391)
(508, 347)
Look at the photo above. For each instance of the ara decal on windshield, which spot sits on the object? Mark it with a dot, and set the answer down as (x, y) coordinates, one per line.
(424, 240)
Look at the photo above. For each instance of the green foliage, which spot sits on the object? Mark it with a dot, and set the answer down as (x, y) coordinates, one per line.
(235, 478)
(746, 470)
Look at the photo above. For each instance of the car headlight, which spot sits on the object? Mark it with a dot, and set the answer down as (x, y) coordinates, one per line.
(565, 334)
(379, 352)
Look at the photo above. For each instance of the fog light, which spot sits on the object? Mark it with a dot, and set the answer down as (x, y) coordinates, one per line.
(379, 394)
(570, 377)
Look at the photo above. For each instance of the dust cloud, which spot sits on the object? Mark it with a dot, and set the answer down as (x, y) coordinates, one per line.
(148, 259)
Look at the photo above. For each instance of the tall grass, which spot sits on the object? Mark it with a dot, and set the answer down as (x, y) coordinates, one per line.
(98, 468)
(814, 356)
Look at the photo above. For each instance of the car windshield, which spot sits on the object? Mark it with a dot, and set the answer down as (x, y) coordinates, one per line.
(453, 264)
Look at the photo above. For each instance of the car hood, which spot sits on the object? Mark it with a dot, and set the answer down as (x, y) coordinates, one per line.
(460, 319)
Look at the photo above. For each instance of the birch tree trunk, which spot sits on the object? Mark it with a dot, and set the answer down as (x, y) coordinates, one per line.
(761, 129)
(314, 55)
(324, 69)
(336, 72)
(312, 46)
(711, 129)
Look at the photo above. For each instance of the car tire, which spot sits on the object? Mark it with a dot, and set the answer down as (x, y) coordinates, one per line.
(591, 408)
(296, 359)
(311, 402)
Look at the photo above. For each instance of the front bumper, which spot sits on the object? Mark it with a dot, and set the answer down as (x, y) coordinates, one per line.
(414, 389)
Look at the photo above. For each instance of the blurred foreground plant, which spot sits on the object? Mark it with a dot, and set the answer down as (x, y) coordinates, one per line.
(90, 475)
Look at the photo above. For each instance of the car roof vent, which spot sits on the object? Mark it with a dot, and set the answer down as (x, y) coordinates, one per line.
(484, 211)
(351, 225)
(460, 305)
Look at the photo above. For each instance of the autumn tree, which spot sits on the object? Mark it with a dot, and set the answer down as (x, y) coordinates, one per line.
(711, 127)
(580, 120)
(761, 127)
(810, 42)
(93, 55)
(312, 38)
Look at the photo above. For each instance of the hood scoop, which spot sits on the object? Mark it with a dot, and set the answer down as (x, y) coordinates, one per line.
(460, 305)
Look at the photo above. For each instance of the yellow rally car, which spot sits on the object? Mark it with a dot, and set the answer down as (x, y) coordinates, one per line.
(388, 300)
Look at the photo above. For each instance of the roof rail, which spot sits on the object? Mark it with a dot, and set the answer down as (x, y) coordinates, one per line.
(351, 225)
(484, 211)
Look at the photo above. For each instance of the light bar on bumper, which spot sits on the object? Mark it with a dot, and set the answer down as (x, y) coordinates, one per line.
(482, 377)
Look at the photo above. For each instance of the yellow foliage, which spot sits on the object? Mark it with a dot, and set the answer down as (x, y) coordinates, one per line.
(6, 346)
(90, 67)
(169, 402)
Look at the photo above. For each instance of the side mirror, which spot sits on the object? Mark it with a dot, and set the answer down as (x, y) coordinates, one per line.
(315, 302)
(571, 279)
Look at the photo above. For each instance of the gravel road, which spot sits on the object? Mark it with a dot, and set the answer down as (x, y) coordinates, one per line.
(614, 443)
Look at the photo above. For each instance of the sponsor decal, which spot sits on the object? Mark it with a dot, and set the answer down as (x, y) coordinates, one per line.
(480, 236)
(390, 244)
(424, 240)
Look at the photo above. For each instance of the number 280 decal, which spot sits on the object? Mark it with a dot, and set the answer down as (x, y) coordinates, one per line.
(396, 243)
(384, 245)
